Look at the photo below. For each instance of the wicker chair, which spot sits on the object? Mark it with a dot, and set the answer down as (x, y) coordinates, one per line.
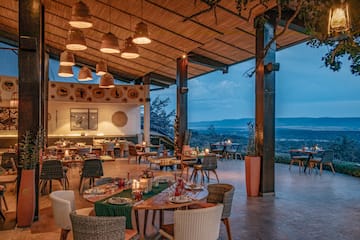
(222, 193)
(2, 198)
(63, 203)
(104, 228)
(209, 163)
(52, 170)
(297, 157)
(133, 152)
(325, 158)
(92, 169)
(8, 162)
(199, 224)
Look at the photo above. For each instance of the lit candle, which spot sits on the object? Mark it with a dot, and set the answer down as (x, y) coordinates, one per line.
(144, 143)
(66, 153)
(206, 151)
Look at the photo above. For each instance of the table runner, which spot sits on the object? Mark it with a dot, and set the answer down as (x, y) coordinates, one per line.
(103, 208)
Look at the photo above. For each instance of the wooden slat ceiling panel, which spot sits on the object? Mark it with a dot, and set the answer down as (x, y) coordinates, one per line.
(226, 50)
(228, 40)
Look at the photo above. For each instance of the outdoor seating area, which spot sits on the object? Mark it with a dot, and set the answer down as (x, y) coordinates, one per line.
(240, 212)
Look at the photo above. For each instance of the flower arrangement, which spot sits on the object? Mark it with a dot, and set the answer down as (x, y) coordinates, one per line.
(30, 148)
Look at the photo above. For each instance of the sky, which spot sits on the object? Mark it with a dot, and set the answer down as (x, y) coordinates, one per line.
(304, 88)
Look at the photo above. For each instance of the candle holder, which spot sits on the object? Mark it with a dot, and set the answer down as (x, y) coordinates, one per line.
(137, 194)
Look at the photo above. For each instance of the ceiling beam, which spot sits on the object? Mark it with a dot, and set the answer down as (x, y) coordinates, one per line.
(158, 78)
(208, 62)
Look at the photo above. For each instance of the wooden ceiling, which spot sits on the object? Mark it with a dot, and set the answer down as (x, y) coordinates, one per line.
(216, 42)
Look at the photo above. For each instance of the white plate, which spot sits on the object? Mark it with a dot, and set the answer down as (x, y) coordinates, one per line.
(180, 199)
(119, 200)
(94, 191)
(193, 187)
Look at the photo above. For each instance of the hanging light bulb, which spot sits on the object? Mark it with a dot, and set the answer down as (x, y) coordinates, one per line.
(75, 40)
(65, 71)
(109, 43)
(141, 35)
(339, 19)
(130, 50)
(101, 68)
(67, 59)
(107, 81)
(80, 16)
(84, 74)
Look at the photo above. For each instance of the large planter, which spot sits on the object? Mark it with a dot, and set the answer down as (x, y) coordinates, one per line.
(252, 173)
(26, 199)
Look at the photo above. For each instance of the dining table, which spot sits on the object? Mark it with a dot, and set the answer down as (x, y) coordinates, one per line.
(310, 152)
(160, 198)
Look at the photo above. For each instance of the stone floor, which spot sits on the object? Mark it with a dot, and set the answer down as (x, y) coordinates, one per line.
(304, 206)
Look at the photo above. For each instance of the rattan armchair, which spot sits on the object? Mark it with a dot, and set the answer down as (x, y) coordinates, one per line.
(222, 193)
(104, 228)
(63, 203)
(199, 224)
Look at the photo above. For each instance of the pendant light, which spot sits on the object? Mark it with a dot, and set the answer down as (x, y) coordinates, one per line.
(65, 71)
(67, 59)
(107, 81)
(101, 68)
(141, 35)
(84, 74)
(339, 19)
(109, 42)
(130, 50)
(80, 16)
(75, 40)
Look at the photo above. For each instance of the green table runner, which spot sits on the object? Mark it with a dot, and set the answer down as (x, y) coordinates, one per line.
(103, 208)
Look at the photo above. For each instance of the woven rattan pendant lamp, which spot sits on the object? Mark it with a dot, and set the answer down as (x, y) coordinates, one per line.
(67, 59)
(130, 50)
(101, 68)
(80, 16)
(109, 42)
(65, 71)
(75, 40)
(84, 74)
(107, 81)
(141, 35)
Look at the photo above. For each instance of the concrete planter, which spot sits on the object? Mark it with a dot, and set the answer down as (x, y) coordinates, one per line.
(252, 173)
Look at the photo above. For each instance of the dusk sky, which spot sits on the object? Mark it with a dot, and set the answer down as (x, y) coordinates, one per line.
(304, 88)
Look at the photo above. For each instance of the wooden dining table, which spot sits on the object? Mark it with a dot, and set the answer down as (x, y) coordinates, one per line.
(309, 152)
(157, 203)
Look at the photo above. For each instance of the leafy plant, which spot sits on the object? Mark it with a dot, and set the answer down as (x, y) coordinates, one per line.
(251, 149)
(30, 148)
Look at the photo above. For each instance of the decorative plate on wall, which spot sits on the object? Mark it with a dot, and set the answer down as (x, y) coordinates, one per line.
(116, 92)
(62, 92)
(98, 93)
(132, 93)
(119, 119)
(8, 85)
(80, 93)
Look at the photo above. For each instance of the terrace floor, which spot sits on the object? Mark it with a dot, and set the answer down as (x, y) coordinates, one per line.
(304, 206)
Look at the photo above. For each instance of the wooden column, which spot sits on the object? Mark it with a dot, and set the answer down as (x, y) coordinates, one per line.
(265, 108)
(31, 55)
(146, 81)
(181, 101)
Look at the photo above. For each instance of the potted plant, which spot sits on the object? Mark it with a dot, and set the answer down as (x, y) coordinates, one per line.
(30, 149)
(252, 164)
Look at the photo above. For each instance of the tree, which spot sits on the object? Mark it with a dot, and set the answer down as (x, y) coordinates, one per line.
(160, 120)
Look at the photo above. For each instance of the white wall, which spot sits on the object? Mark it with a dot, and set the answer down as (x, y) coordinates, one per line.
(59, 124)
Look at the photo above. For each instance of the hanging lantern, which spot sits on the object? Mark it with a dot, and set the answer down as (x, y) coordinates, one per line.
(339, 19)
(65, 71)
(75, 40)
(101, 68)
(141, 35)
(80, 16)
(130, 50)
(107, 81)
(85, 74)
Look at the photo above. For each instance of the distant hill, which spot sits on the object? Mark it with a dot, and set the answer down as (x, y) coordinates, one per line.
(338, 124)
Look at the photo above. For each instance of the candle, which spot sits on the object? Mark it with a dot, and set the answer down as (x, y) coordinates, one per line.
(66, 153)
(206, 151)
(144, 143)
(135, 184)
